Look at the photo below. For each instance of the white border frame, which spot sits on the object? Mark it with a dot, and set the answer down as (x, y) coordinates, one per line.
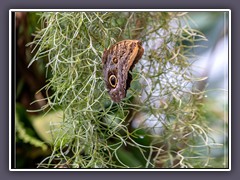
(136, 10)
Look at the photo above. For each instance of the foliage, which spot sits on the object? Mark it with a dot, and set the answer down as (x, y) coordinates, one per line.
(24, 132)
(159, 124)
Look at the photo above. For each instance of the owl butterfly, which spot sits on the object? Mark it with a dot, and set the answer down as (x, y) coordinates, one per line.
(118, 61)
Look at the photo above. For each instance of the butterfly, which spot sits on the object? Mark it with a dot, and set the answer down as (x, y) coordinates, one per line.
(118, 61)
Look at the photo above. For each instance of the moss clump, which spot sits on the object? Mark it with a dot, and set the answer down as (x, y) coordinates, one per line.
(158, 124)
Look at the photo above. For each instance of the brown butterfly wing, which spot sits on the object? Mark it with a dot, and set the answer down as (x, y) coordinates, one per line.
(117, 61)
